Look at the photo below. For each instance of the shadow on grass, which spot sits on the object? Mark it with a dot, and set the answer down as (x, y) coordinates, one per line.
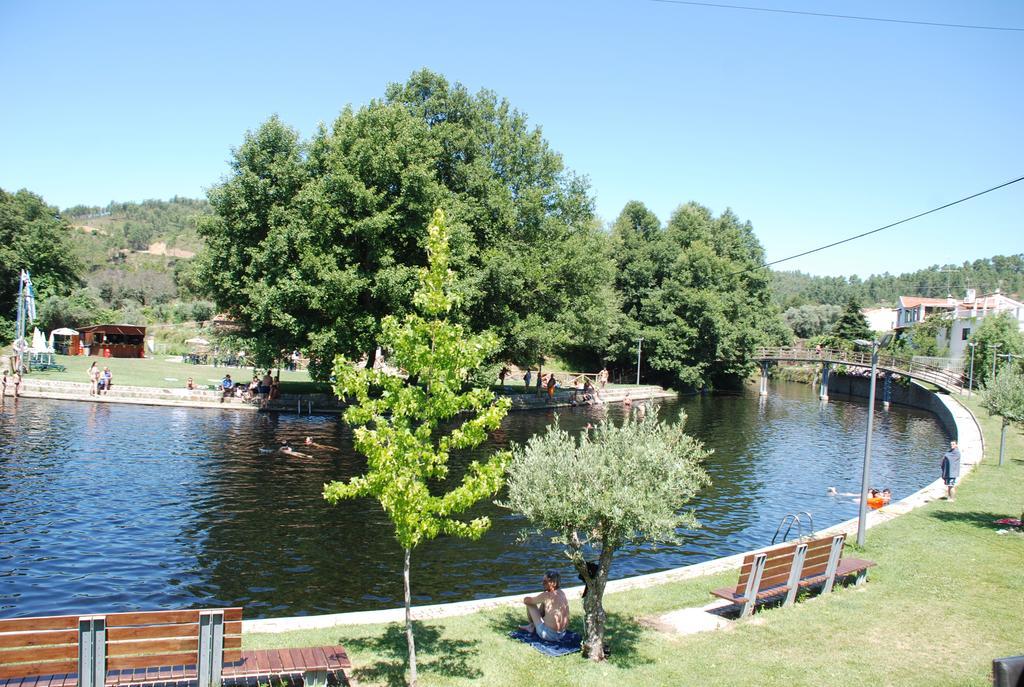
(983, 519)
(434, 654)
(622, 635)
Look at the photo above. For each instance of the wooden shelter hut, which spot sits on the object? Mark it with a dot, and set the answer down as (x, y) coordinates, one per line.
(114, 340)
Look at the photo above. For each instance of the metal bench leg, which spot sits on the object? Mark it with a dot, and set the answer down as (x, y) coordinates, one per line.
(753, 584)
(211, 648)
(92, 651)
(314, 678)
(833, 562)
(795, 573)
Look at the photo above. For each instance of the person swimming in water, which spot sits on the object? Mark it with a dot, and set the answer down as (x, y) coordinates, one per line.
(287, 449)
(312, 444)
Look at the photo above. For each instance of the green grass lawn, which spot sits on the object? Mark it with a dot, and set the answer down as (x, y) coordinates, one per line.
(162, 372)
(946, 598)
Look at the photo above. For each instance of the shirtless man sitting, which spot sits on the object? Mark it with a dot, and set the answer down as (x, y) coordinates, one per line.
(548, 611)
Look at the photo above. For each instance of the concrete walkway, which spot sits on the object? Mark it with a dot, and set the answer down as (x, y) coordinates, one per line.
(685, 620)
(140, 395)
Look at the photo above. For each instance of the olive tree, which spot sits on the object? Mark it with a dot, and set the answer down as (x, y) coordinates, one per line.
(1004, 396)
(400, 421)
(615, 485)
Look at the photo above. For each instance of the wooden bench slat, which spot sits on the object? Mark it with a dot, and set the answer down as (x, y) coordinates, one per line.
(120, 634)
(164, 660)
(153, 646)
(39, 668)
(39, 653)
(14, 640)
(152, 618)
(60, 622)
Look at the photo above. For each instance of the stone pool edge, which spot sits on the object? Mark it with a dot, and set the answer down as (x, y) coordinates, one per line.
(968, 434)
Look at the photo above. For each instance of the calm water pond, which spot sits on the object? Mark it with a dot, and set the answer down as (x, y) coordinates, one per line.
(110, 508)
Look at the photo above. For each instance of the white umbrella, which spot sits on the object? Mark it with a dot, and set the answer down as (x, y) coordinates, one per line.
(49, 347)
(198, 341)
(38, 341)
(63, 331)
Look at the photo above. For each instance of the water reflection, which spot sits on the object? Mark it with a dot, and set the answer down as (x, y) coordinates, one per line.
(108, 508)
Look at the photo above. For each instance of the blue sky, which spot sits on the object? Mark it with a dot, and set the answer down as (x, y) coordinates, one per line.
(812, 128)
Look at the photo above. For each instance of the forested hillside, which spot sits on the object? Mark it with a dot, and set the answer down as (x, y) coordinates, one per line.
(1004, 272)
(138, 226)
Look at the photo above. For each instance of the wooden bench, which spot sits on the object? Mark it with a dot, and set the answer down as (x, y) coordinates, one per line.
(785, 570)
(202, 647)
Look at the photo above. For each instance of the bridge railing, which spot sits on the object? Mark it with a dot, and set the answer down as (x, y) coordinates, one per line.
(948, 379)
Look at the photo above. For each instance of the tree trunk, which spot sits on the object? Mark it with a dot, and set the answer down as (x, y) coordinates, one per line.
(371, 357)
(593, 607)
(1002, 440)
(408, 622)
(593, 623)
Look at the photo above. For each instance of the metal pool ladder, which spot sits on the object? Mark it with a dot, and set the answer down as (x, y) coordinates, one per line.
(794, 519)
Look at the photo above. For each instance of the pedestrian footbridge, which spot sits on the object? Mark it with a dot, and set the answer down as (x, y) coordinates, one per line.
(829, 358)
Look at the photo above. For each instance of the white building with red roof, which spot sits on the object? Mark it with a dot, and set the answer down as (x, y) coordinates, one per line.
(964, 315)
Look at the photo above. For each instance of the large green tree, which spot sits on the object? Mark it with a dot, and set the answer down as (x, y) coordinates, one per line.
(694, 292)
(312, 243)
(33, 236)
(400, 421)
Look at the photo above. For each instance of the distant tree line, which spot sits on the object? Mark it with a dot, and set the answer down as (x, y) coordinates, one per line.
(1004, 272)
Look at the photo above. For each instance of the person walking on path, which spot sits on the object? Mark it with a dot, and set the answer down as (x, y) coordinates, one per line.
(526, 378)
(602, 378)
(951, 469)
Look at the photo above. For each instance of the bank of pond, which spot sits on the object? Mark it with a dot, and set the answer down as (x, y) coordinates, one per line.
(118, 507)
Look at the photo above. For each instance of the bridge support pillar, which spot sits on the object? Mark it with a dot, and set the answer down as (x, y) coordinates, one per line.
(826, 372)
(764, 378)
(887, 390)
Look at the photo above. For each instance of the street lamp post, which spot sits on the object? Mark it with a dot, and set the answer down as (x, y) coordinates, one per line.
(639, 345)
(862, 516)
(970, 379)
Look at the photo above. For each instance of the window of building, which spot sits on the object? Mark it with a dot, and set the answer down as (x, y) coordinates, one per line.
(965, 334)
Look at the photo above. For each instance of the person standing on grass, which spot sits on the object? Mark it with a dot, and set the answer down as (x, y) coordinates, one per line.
(602, 378)
(951, 469)
(527, 377)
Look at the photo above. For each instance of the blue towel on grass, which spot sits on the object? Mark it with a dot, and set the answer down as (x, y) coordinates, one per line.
(570, 642)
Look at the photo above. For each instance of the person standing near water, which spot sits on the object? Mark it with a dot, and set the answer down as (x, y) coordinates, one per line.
(94, 379)
(951, 469)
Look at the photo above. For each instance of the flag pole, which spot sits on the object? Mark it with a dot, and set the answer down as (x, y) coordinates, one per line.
(19, 334)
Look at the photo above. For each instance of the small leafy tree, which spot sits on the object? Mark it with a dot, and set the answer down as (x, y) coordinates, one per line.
(398, 420)
(925, 335)
(997, 335)
(615, 486)
(1004, 396)
(852, 324)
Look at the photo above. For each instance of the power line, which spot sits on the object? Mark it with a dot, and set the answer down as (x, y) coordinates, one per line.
(887, 226)
(839, 16)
